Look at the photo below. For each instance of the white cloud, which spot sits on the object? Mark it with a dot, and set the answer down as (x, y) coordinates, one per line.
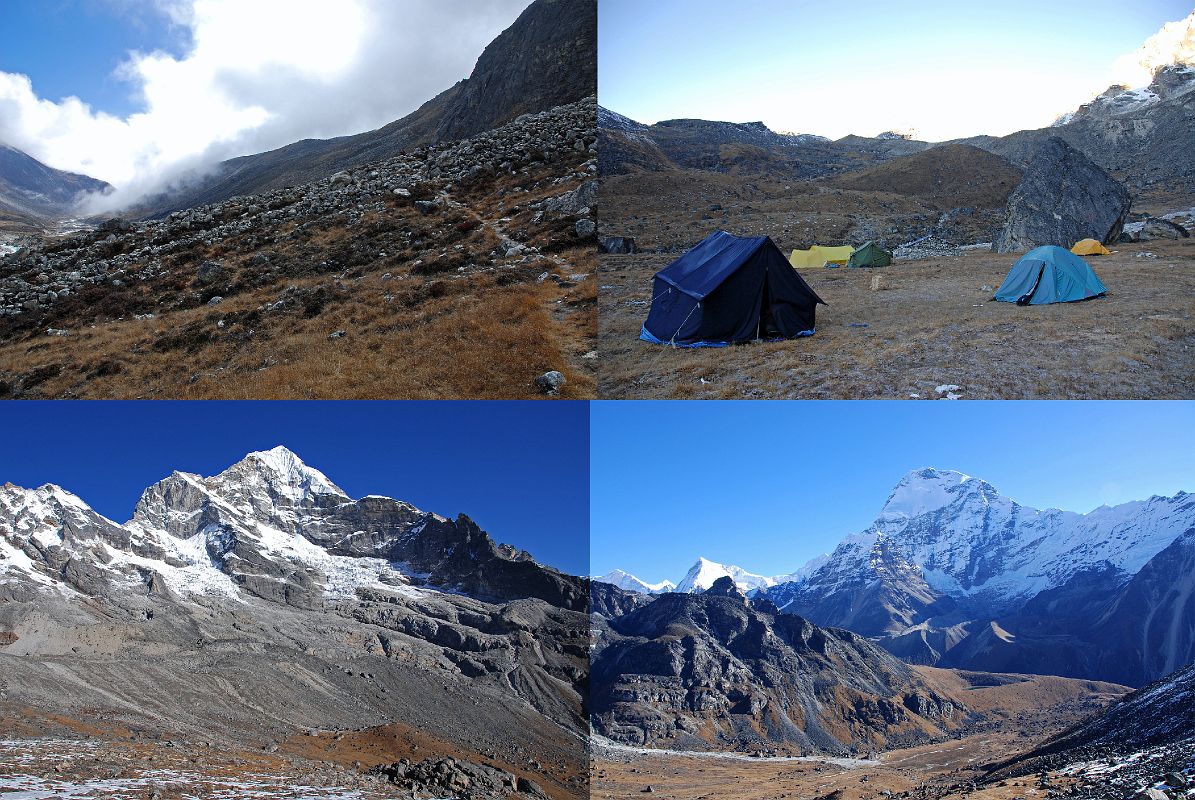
(259, 74)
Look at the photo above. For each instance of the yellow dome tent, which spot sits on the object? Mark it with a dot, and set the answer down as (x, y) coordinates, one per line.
(1089, 247)
(818, 256)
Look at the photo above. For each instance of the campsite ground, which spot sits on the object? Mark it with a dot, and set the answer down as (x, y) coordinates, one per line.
(929, 325)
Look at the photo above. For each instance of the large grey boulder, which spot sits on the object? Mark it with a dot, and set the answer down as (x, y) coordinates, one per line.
(1064, 197)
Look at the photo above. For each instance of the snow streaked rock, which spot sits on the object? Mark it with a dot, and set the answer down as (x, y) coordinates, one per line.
(264, 518)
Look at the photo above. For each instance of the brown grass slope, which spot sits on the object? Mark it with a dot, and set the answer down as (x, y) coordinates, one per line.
(947, 176)
(428, 310)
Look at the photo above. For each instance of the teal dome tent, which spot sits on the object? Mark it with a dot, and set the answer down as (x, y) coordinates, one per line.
(1049, 274)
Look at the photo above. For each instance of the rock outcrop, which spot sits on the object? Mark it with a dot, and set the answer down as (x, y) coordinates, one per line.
(547, 58)
(1064, 197)
(715, 671)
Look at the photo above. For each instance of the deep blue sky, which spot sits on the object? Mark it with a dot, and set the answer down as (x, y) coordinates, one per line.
(72, 47)
(944, 67)
(519, 469)
(768, 485)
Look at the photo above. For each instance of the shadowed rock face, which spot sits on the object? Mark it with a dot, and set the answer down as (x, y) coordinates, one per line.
(714, 670)
(545, 59)
(1064, 197)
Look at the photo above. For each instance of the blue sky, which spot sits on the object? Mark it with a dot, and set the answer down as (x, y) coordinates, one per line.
(944, 68)
(520, 470)
(73, 47)
(768, 485)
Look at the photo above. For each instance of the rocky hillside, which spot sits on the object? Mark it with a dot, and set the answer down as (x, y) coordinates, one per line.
(31, 192)
(397, 257)
(716, 671)
(268, 582)
(1144, 741)
(547, 58)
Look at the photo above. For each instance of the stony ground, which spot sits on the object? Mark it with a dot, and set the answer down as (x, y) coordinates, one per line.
(928, 325)
(462, 270)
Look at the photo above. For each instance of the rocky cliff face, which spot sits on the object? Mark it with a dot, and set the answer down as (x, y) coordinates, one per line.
(268, 581)
(1141, 136)
(716, 671)
(547, 58)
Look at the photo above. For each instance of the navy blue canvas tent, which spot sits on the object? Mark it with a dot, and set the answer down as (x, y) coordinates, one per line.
(1049, 274)
(729, 289)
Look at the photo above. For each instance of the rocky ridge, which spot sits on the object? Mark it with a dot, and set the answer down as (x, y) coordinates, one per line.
(717, 671)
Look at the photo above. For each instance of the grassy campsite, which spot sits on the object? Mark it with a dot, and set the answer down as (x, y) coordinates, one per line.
(908, 330)
(957, 226)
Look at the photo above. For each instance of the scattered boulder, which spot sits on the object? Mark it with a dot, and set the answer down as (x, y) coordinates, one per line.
(550, 383)
(585, 228)
(115, 225)
(1064, 197)
(574, 202)
(456, 778)
(618, 245)
(210, 272)
(1155, 228)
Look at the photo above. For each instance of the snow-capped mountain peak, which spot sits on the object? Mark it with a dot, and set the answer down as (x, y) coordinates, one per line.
(701, 576)
(628, 582)
(923, 491)
(283, 471)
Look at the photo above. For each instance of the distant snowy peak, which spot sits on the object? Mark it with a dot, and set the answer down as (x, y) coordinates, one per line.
(703, 574)
(629, 583)
(926, 490)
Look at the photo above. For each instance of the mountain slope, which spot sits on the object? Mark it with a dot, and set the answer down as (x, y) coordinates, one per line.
(1137, 740)
(29, 190)
(953, 573)
(268, 582)
(546, 58)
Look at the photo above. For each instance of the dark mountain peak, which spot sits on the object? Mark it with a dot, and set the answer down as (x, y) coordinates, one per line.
(545, 59)
(726, 587)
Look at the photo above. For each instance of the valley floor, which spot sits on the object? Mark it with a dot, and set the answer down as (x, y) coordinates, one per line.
(929, 324)
(938, 771)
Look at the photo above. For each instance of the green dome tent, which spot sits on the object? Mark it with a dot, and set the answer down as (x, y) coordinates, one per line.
(870, 255)
(1049, 274)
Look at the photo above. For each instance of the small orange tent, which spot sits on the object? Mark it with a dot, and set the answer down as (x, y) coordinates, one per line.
(1089, 247)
